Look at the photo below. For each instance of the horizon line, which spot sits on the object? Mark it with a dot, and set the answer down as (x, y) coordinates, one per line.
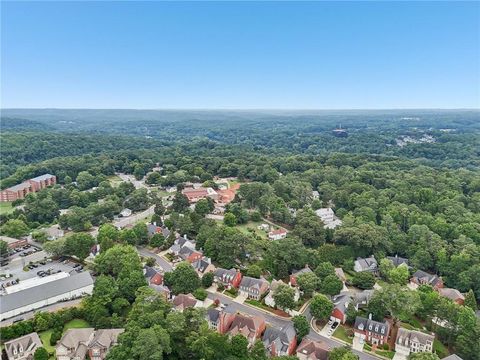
(237, 109)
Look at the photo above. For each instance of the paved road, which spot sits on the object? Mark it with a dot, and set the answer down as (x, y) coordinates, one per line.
(49, 308)
(131, 220)
(269, 318)
(165, 265)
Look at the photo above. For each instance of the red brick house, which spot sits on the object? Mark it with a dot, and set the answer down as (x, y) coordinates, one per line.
(452, 294)
(280, 342)
(312, 350)
(251, 327)
(228, 278)
(373, 332)
(423, 278)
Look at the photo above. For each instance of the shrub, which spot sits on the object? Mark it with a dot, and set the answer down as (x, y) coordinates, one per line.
(56, 335)
(207, 280)
(221, 287)
(386, 347)
(200, 294)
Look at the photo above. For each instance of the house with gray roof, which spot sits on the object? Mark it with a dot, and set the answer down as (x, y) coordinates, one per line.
(44, 294)
(253, 288)
(412, 341)
(452, 357)
(77, 344)
(340, 306)
(280, 342)
(23, 348)
(397, 260)
(421, 277)
(227, 277)
(371, 331)
(369, 264)
(213, 316)
(203, 266)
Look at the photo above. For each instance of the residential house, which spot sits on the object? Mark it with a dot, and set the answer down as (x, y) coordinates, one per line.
(397, 260)
(362, 298)
(182, 301)
(269, 301)
(264, 227)
(213, 317)
(153, 276)
(228, 278)
(296, 273)
(328, 218)
(253, 288)
(280, 342)
(412, 341)
(452, 294)
(422, 278)
(22, 348)
(53, 232)
(203, 266)
(452, 357)
(76, 344)
(186, 253)
(179, 243)
(373, 332)
(315, 195)
(369, 264)
(154, 229)
(277, 234)
(312, 350)
(251, 327)
(340, 306)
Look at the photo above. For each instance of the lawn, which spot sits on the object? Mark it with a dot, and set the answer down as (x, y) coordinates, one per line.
(45, 335)
(76, 324)
(253, 226)
(440, 349)
(114, 180)
(341, 333)
(386, 353)
(5, 208)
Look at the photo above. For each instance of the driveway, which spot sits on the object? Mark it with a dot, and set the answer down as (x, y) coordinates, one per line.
(356, 344)
(240, 298)
(164, 264)
(133, 219)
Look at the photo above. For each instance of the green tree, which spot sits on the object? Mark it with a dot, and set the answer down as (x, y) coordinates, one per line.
(363, 280)
(331, 285)
(107, 236)
(229, 219)
(207, 280)
(180, 202)
(324, 269)
(470, 300)
(309, 228)
(204, 207)
(3, 248)
(85, 180)
(157, 240)
(258, 351)
(321, 307)
(342, 353)
(79, 245)
(308, 283)
(41, 354)
(284, 297)
(254, 271)
(239, 346)
(141, 232)
(183, 279)
(14, 228)
(301, 325)
(55, 248)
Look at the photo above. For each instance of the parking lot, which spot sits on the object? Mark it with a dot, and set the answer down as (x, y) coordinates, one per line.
(37, 264)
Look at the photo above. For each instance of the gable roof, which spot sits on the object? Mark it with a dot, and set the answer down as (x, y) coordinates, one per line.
(452, 294)
(369, 263)
(252, 283)
(73, 337)
(183, 301)
(213, 315)
(452, 357)
(397, 260)
(245, 325)
(105, 337)
(201, 264)
(422, 276)
(280, 337)
(376, 327)
(341, 301)
(314, 350)
(405, 336)
(28, 343)
(305, 270)
(43, 177)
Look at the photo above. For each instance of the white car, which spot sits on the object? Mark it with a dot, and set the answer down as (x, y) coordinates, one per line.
(330, 322)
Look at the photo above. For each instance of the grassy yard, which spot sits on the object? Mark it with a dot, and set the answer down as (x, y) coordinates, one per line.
(440, 349)
(45, 335)
(253, 226)
(341, 333)
(386, 353)
(114, 180)
(5, 208)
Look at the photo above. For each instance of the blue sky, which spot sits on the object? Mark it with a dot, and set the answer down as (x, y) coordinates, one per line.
(292, 55)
